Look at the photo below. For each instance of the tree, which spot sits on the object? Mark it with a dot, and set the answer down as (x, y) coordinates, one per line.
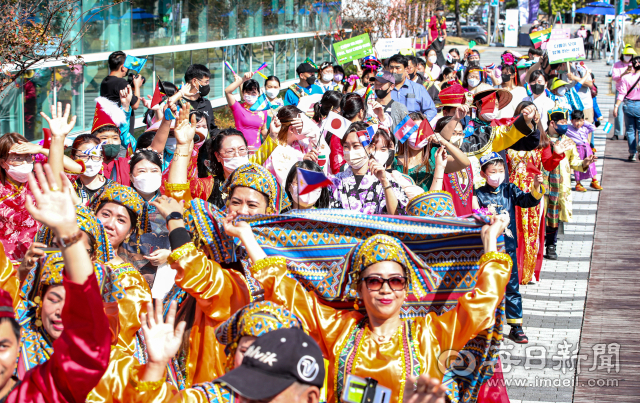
(461, 7)
(36, 31)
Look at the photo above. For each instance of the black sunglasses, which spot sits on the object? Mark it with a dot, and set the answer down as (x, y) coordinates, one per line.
(375, 283)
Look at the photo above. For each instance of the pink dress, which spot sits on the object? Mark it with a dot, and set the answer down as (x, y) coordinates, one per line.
(249, 123)
(17, 227)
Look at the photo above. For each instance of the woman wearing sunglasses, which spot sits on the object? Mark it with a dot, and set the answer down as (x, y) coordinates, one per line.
(372, 340)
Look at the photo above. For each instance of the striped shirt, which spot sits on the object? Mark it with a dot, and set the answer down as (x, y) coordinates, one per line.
(625, 86)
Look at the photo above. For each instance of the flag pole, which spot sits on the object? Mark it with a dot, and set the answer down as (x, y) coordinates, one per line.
(298, 180)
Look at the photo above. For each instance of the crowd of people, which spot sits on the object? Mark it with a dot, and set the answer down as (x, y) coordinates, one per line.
(363, 232)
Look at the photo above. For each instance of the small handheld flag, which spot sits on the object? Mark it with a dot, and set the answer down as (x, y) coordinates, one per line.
(158, 93)
(308, 181)
(405, 129)
(336, 124)
(229, 67)
(261, 104)
(368, 93)
(532, 169)
(47, 137)
(134, 63)
(540, 37)
(488, 103)
(607, 127)
(424, 132)
(169, 115)
(262, 66)
(469, 130)
(364, 137)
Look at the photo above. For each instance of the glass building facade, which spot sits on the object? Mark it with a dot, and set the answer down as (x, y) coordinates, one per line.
(173, 34)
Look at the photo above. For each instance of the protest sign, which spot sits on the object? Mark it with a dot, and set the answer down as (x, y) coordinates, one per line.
(387, 47)
(565, 50)
(353, 49)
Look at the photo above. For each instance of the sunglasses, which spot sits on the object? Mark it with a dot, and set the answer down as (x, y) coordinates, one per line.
(375, 283)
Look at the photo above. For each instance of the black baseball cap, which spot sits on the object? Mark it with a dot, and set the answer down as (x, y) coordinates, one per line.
(305, 68)
(274, 362)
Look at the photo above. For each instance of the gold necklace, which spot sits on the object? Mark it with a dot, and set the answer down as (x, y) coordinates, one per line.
(382, 338)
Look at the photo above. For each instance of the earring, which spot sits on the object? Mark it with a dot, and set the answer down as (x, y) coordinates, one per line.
(355, 304)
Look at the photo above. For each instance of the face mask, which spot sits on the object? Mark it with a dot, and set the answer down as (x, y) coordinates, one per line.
(381, 94)
(250, 99)
(170, 145)
(433, 59)
(111, 150)
(488, 116)
(20, 173)
(204, 90)
(356, 158)
(627, 59)
(311, 80)
(327, 77)
(537, 89)
(506, 78)
(473, 82)
(412, 76)
(495, 179)
(338, 77)
(412, 141)
(561, 129)
(398, 77)
(231, 164)
(562, 91)
(440, 13)
(147, 182)
(306, 200)
(536, 59)
(381, 157)
(272, 92)
(92, 168)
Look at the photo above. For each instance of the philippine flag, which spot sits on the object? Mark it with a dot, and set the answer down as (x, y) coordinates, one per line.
(336, 124)
(308, 181)
(405, 129)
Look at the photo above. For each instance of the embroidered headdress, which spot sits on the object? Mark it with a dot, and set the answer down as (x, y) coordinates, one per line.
(130, 199)
(558, 113)
(256, 177)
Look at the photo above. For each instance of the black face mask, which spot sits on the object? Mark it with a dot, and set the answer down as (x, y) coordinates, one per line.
(311, 80)
(412, 76)
(204, 90)
(506, 78)
(381, 94)
(537, 89)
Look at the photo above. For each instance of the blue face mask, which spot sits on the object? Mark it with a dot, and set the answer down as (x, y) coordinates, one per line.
(562, 129)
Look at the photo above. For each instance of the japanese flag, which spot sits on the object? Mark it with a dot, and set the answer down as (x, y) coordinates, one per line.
(336, 124)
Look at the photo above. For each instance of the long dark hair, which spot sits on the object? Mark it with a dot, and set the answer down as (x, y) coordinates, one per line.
(351, 105)
(286, 114)
(7, 141)
(330, 100)
(214, 147)
(323, 201)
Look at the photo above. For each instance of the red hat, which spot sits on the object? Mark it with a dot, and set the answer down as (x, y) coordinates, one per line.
(455, 95)
(107, 113)
(6, 305)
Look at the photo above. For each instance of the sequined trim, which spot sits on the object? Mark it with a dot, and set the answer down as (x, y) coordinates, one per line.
(268, 262)
(176, 187)
(180, 252)
(499, 256)
(143, 386)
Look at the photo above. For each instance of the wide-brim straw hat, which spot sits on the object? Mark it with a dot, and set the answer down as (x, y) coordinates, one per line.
(484, 89)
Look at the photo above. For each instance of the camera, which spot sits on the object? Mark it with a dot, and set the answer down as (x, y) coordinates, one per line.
(364, 390)
(131, 76)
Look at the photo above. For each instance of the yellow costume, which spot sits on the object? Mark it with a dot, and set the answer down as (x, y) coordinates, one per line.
(345, 338)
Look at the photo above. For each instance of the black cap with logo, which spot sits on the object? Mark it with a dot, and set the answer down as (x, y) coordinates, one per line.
(274, 362)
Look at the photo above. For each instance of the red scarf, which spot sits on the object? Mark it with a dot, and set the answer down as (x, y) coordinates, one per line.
(122, 168)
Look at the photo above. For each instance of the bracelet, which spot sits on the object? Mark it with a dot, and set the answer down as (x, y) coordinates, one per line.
(67, 241)
(181, 155)
(179, 253)
(387, 187)
(268, 262)
(439, 178)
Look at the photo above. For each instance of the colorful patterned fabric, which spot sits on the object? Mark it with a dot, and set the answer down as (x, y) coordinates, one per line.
(552, 198)
(88, 223)
(436, 203)
(258, 178)
(255, 320)
(17, 227)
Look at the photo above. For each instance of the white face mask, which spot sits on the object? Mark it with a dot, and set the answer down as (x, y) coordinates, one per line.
(272, 93)
(306, 200)
(381, 157)
(562, 91)
(536, 59)
(147, 182)
(627, 58)
(250, 99)
(473, 82)
(327, 77)
(171, 145)
(20, 173)
(488, 116)
(92, 168)
(356, 158)
(495, 179)
(412, 141)
(231, 164)
(433, 59)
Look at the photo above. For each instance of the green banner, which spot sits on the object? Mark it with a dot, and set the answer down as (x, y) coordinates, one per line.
(353, 49)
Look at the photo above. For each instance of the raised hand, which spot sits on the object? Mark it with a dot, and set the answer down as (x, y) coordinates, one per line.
(24, 147)
(441, 158)
(378, 170)
(161, 338)
(529, 113)
(185, 130)
(589, 160)
(59, 123)
(562, 145)
(125, 97)
(461, 112)
(247, 76)
(53, 206)
(237, 229)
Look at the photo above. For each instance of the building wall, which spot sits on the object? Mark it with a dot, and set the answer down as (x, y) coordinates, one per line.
(172, 35)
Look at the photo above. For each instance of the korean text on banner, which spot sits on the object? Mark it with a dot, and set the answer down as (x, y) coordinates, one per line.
(565, 50)
(387, 47)
(353, 49)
